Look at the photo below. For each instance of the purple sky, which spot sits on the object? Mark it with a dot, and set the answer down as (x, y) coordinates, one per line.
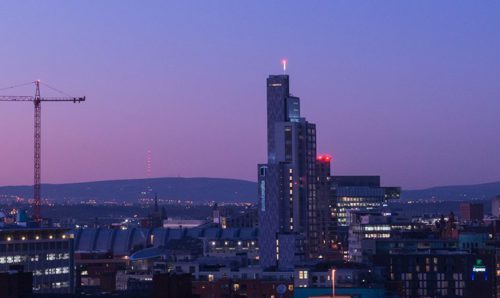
(405, 90)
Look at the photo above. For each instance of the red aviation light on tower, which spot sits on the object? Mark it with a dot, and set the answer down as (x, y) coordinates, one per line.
(324, 158)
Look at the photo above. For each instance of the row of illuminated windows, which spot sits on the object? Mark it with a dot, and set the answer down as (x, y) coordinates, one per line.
(62, 284)
(458, 277)
(59, 256)
(361, 204)
(377, 235)
(51, 271)
(32, 258)
(423, 292)
(376, 228)
(440, 284)
(402, 227)
(17, 259)
(355, 206)
(361, 199)
(53, 285)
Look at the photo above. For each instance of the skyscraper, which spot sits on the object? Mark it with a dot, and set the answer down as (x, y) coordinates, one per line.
(287, 183)
(326, 211)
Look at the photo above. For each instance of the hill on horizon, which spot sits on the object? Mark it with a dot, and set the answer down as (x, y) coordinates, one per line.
(199, 190)
(202, 190)
(483, 191)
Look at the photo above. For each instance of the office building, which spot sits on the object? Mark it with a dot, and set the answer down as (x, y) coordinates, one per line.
(367, 226)
(360, 193)
(287, 183)
(46, 252)
(357, 194)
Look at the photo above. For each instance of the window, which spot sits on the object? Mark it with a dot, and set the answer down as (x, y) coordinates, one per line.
(303, 274)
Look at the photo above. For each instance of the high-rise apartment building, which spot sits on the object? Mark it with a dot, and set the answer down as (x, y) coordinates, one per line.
(287, 183)
(326, 211)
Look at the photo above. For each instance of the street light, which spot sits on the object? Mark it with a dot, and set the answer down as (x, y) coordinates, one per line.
(333, 282)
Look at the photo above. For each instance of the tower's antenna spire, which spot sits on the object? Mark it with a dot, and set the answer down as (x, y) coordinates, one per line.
(284, 62)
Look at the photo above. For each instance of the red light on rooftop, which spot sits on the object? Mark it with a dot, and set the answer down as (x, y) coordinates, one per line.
(324, 157)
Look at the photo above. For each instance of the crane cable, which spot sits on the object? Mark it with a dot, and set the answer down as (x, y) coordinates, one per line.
(55, 89)
(45, 84)
(15, 86)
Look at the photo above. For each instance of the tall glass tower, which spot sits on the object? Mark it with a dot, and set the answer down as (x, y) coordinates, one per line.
(288, 225)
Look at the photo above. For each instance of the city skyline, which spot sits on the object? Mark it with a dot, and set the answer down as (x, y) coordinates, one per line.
(415, 104)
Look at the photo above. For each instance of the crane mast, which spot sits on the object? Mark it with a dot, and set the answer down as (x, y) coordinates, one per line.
(37, 169)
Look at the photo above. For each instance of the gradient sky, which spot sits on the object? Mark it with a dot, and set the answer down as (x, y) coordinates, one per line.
(408, 90)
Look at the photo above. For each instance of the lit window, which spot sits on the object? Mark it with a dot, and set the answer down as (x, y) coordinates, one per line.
(303, 274)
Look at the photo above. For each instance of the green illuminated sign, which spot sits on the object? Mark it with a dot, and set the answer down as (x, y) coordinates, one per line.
(479, 266)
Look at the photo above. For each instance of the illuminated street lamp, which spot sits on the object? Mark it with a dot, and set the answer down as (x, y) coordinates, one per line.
(333, 282)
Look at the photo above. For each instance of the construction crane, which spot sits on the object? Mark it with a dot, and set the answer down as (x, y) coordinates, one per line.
(37, 100)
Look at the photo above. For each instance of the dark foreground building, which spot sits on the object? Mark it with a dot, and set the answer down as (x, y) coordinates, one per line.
(16, 284)
(172, 286)
(441, 274)
(242, 288)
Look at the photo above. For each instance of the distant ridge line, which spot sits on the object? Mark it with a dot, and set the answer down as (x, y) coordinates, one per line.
(206, 189)
(196, 189)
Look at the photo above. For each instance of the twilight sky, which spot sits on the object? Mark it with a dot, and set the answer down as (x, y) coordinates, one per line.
(407, 90)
